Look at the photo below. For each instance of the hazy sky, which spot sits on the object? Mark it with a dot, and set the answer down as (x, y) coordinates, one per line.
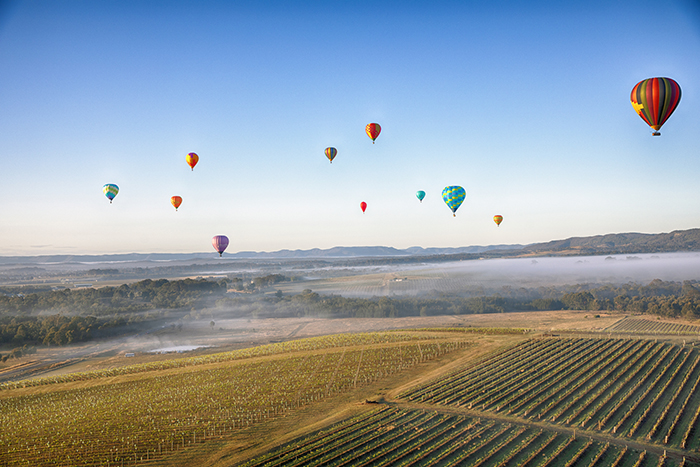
(524, 104)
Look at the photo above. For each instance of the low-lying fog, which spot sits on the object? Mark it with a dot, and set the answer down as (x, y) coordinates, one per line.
(615, 269)
(490, 275)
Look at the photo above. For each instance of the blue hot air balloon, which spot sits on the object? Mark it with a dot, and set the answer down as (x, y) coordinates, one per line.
(110, 190)
(420, 195)
(454, 196)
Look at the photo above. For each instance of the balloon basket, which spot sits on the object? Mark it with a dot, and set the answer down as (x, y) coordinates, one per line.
(656, 133)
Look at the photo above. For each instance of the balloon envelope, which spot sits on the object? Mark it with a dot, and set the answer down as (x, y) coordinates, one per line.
(219, 242)
(331, 153)
(373, 130)
(110, 190)
(176, 201)
(655, 99)
(363, 206)
(192, 159)
(420, 195)
(498, 219)
(454, 196)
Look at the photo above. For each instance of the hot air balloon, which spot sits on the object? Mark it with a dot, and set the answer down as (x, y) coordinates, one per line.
(498, 219)
(110, 190)
(420, 195)
(363, 206)
(331, 153)
(454, 196)
(220, 242)
(655, 99)
(176, 201)
(192, 159)
(373, 130)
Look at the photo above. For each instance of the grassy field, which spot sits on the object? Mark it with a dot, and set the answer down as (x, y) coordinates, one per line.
(458, 396)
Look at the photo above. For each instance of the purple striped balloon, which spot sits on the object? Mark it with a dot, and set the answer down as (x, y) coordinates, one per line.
(220, 242)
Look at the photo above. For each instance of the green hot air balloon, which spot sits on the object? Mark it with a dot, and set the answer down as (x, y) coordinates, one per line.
(454, 196)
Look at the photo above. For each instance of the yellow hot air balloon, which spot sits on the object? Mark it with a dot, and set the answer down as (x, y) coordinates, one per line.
(192, 159)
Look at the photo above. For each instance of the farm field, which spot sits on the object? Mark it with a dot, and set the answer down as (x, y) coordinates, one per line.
(239, 333)
(646, 326)
(136, 413)
(633, 388)
(455, 396)
(413, 437)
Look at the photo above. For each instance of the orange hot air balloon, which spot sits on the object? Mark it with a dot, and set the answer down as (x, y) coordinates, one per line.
(373, 130)
(363, 206)
(192, 159)
(498, 219)
(176, 201)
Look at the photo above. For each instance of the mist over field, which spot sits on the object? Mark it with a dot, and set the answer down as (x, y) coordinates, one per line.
(483, 277)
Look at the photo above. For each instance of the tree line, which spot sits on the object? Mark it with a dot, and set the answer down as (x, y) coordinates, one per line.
(69, 316)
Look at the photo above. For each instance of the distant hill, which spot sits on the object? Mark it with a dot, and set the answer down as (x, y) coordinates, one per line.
(624, 243)
(678, 240)
(363, 251)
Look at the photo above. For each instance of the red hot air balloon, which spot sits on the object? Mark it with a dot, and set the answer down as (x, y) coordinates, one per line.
(220, 242)
(373, 130)
(176, 201)
(192, 159)
(498, 219)
(363, 206)
(655, 99)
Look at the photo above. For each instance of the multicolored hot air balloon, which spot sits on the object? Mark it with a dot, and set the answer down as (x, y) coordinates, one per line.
(454, 196)
(655, 99)
(498, 219)
(420, 195)
(331, 153)
(363, 206)
(176, 201)
(110, 190)
(220, 242)
(373, 130)
(192, 159)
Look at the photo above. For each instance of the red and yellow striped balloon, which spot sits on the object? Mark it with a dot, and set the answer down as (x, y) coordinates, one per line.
(655, 99)
(498, 219)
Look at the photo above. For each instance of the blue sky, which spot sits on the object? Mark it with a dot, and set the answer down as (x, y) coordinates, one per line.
(526, 107)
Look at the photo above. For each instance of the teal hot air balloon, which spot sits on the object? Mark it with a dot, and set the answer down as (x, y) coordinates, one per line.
(454, 196)
(110, 190)
(420, 195)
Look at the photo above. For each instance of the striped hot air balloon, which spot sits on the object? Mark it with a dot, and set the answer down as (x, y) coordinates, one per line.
(331, 153)
(220, 242)
(498, 219)
(655, 99)
(176, 201)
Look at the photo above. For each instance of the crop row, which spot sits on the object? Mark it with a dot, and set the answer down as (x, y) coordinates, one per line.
(645, 326)
(410, 437)
(300, 345)
(155, 414)
(634, 388)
